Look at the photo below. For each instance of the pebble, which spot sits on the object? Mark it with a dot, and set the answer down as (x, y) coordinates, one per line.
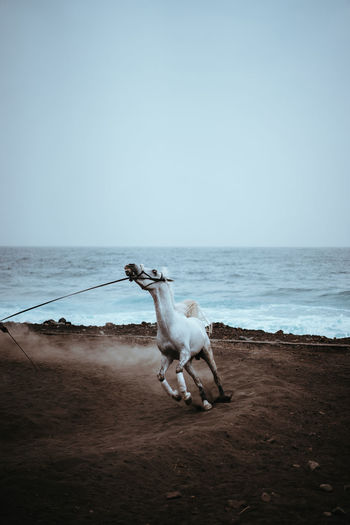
(265, 497)
(313, 464)
(327, 513)
(173, 495)
(326, 487)
(235, 504)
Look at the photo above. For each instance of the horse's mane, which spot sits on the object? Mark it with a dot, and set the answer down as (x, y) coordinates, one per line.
(190, 308)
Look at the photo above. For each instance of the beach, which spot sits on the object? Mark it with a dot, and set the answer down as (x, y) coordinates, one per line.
(90, 436)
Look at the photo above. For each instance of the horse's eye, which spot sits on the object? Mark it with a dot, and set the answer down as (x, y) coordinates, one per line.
(154, 272)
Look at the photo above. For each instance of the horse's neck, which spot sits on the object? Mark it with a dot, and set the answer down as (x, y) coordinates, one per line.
(164, 305)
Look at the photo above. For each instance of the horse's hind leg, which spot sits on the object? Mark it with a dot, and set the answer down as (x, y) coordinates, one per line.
(164, 365)
(198, 383)
(209, 359)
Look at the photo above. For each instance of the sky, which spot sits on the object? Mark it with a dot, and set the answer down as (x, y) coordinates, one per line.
(175, 122)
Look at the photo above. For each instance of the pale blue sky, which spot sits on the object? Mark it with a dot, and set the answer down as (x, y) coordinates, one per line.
(175, 122)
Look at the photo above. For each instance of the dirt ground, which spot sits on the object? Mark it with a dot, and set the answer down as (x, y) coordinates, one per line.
(92, 438)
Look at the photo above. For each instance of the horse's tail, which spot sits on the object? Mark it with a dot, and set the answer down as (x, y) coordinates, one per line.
(190, 308)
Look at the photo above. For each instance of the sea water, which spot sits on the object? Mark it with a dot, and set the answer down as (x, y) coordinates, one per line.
(298, 290)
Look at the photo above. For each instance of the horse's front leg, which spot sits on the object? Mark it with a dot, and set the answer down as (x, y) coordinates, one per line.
(164, 365)
(185, 357)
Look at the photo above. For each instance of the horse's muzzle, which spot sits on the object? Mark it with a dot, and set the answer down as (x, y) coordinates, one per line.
(130, 271)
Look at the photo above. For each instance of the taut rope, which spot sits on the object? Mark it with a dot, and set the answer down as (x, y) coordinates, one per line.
(4, 329)
(63, 297)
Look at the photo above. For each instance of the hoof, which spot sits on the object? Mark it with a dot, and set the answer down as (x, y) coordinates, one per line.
(176, 396)
(207, 405)
(225, 398)
(188, 398)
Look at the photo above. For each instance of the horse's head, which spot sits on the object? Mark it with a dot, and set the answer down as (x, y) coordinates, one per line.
(146, 278)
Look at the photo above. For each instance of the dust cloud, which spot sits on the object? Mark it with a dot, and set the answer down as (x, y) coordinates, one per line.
(61, 349)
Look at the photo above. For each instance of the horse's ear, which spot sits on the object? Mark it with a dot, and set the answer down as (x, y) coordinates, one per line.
(164, 270)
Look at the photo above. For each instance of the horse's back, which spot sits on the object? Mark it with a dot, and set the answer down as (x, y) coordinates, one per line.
(199, 338)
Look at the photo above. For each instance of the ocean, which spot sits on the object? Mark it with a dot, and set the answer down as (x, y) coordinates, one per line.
(297, 290)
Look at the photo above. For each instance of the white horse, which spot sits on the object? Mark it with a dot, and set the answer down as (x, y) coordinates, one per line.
(178, 337)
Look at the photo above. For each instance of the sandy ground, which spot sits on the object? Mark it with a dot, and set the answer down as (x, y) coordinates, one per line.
(92, 438)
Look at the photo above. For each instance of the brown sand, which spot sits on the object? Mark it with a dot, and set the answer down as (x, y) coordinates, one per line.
(92, 438)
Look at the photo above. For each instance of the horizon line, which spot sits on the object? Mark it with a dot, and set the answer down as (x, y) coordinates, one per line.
(175, 246)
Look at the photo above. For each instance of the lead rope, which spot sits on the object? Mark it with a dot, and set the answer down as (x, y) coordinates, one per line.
(4, 329)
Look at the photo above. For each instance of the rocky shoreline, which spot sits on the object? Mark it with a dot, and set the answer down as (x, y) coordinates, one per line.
(220, 332)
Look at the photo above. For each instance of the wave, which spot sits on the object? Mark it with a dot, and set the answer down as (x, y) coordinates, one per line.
(290, 318)
(344, 293)
(287, 291)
